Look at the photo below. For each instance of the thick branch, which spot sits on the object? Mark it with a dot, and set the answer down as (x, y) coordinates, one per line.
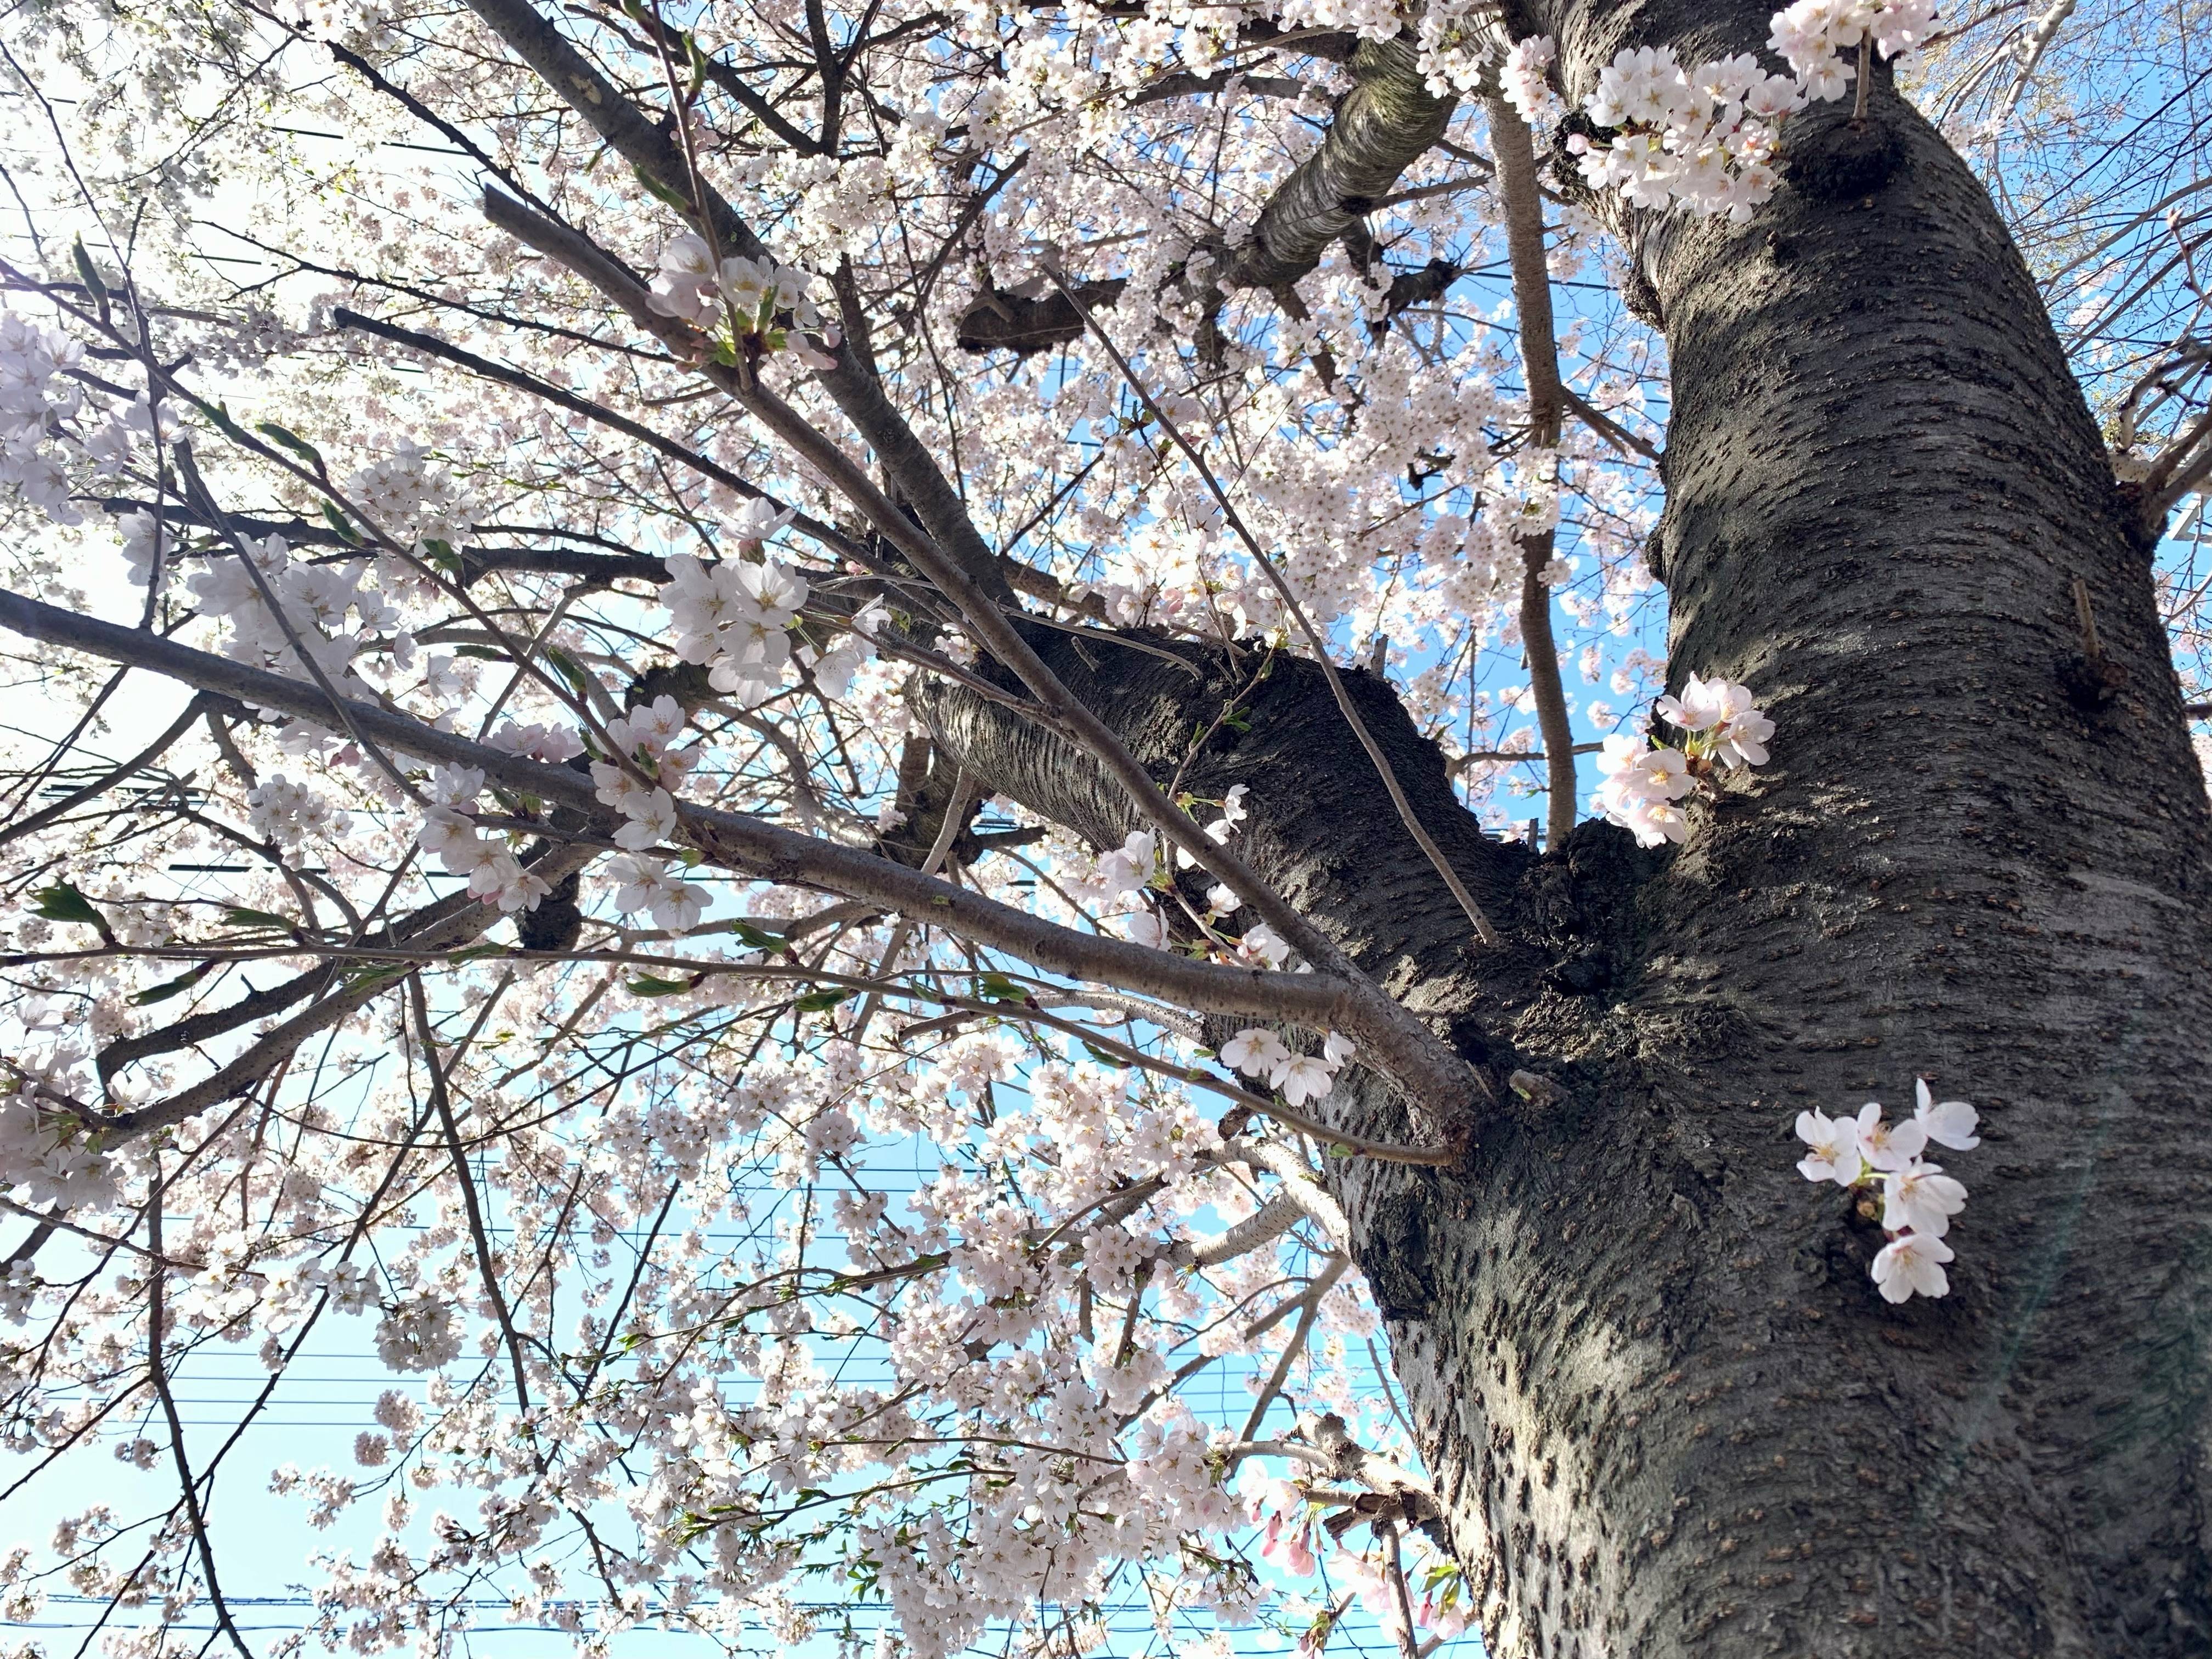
(851, 381)
(752, 847)
(1385, 124)
(1444, 1085)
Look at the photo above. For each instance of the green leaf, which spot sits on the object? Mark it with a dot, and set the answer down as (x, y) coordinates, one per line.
(475, 951)
(481, 653)
(698, 67)
(338, 522)
(662, 193)
(442, 554)
(568, 668)
(239, 916)
(63, 903)
(1103, 1057)
(650, 987)
(815, 1002)
(996, 987)
(173, 988)
(377, 971)
(221, 415)
(759, 938)
(291, 440)
(90, 274)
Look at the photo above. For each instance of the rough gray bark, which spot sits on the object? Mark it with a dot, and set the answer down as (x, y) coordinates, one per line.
(1386, 123)
(1667, 1411)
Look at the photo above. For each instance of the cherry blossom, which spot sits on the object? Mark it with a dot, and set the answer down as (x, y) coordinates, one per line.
(1948, 1122)
(1835, 1148)
(1256, 1051)
(1919, 1199)
(1913, 1264)
(1889, 1147)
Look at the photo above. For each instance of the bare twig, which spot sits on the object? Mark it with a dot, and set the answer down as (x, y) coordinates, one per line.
(1547, 398)
(1319, 645)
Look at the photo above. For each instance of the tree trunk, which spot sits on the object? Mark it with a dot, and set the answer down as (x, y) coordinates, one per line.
(1666, 1409)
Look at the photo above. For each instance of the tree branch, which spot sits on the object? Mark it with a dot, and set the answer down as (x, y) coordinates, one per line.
(431, 345)
(1317, 1001)
(1432, 1074)
(1385, 124)
(1539, 358)
(851, 381)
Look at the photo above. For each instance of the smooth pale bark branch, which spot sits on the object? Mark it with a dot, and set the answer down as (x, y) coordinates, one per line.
(1386, 123)
(2037, 41)
(1270, 1221)
(1299, 1187)
(1475, 757)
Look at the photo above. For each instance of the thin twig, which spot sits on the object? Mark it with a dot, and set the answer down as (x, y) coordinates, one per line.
(441, 1101)
(1547, 400)
(1483, 929)
(157, 1370)
(1312, 1298)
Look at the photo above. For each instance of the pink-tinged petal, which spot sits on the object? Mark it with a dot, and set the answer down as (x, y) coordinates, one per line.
(1952, 1123)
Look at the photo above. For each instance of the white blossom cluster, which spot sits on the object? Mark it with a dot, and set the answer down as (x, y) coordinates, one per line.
(410, 498)
(312, 602)
(419, 1334)
(693, 287)
(1918, 1199)
(1521, 76)
(288, 813)
(1140, 869)
(1458, 46)
(1260, 1053)
(1705, 135)
(538, 740)
(736, 614)
(638, 785)
(33, 359)
(42, 1162)
(365, 25)
(1722, 729)
(1814, 35)
(449, 834)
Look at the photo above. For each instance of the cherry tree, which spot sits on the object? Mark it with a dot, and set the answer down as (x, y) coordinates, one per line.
(819, 752)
